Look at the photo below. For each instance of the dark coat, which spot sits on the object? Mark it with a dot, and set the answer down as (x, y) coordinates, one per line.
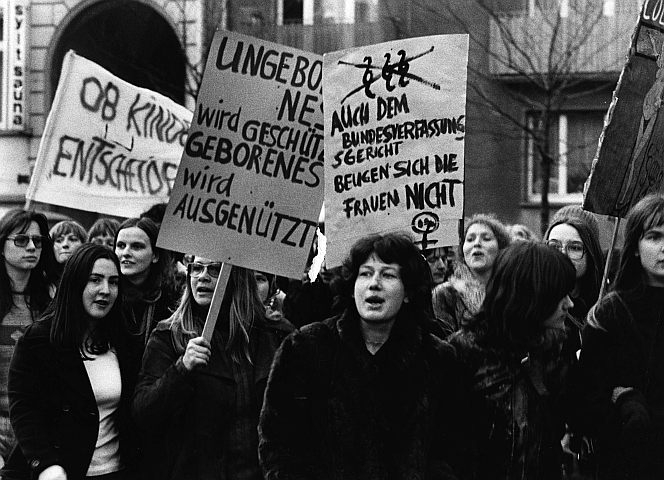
(627, 351)
(184, 416)
(53, 409)
(518, 416)
(334, 411)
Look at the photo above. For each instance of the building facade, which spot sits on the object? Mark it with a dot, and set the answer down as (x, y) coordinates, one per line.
(156, 44)
(161, 45)
(511, 80)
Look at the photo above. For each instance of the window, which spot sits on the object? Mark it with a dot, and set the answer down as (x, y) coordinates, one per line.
(293, 11)
(609, 8)
(574, 137)
(310, 12)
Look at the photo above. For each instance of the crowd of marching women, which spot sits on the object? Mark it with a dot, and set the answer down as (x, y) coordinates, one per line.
(509, 358)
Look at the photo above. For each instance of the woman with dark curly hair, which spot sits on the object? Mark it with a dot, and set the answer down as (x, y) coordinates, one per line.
(456, 301)
(511, 351)
(26, 272)
(367, 394)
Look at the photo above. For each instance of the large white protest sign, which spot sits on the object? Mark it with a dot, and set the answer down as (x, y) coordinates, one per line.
(108, 146)
(394, 141)
(250, 186)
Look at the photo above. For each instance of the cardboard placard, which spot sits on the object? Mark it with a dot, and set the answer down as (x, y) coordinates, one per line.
(630, 159)
(394, 141)
(250, 186)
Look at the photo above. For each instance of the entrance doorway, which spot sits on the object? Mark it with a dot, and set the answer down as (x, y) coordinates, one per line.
(131, 40)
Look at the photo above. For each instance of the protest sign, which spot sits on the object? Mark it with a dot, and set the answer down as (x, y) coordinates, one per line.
(108, 146)
(394, 141)
(630, 158)
(250, 185)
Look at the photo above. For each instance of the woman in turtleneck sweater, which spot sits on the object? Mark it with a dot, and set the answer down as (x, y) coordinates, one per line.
(621, 370)
(148, 280)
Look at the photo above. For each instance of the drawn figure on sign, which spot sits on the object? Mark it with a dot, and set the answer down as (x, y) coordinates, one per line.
(368, 78)
(425, 223)
(651, 105)
(387, 71)
(401, 70)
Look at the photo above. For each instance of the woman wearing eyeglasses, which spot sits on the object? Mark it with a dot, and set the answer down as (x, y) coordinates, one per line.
(150, 290)
(198, 402)
(575, 234)
(26, 272)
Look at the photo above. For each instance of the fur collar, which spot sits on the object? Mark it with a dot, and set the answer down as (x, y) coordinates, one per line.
(400, 349)
(470, 291)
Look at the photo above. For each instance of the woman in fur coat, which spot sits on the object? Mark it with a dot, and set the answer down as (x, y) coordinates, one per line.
(369, 394)
(456, 301)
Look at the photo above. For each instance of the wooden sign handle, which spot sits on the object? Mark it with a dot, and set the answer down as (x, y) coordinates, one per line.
(217, 297)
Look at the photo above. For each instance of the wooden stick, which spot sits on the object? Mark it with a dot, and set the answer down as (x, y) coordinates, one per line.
(215, 305)
(609, 257)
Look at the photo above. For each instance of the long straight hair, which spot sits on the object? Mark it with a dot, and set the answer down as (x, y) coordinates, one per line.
(630, 281)
(646, 214)
(37, 291)
(161, 274)
(70, 322)
(529, 280)
(589, 284)
(241, 305)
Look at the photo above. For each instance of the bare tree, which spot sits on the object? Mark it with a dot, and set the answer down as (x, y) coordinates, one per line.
(214, 15)
(546, 54)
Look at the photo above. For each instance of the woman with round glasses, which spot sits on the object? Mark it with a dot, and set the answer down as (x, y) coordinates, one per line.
(198, 402)
(26, 273)
(149, 287)
(575, 233)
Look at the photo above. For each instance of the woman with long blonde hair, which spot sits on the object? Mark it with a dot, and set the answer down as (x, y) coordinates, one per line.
(197, 402)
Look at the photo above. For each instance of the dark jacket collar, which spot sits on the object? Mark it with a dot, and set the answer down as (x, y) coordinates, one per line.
(400, 349)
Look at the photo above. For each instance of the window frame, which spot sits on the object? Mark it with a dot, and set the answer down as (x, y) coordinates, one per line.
(561, 195)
